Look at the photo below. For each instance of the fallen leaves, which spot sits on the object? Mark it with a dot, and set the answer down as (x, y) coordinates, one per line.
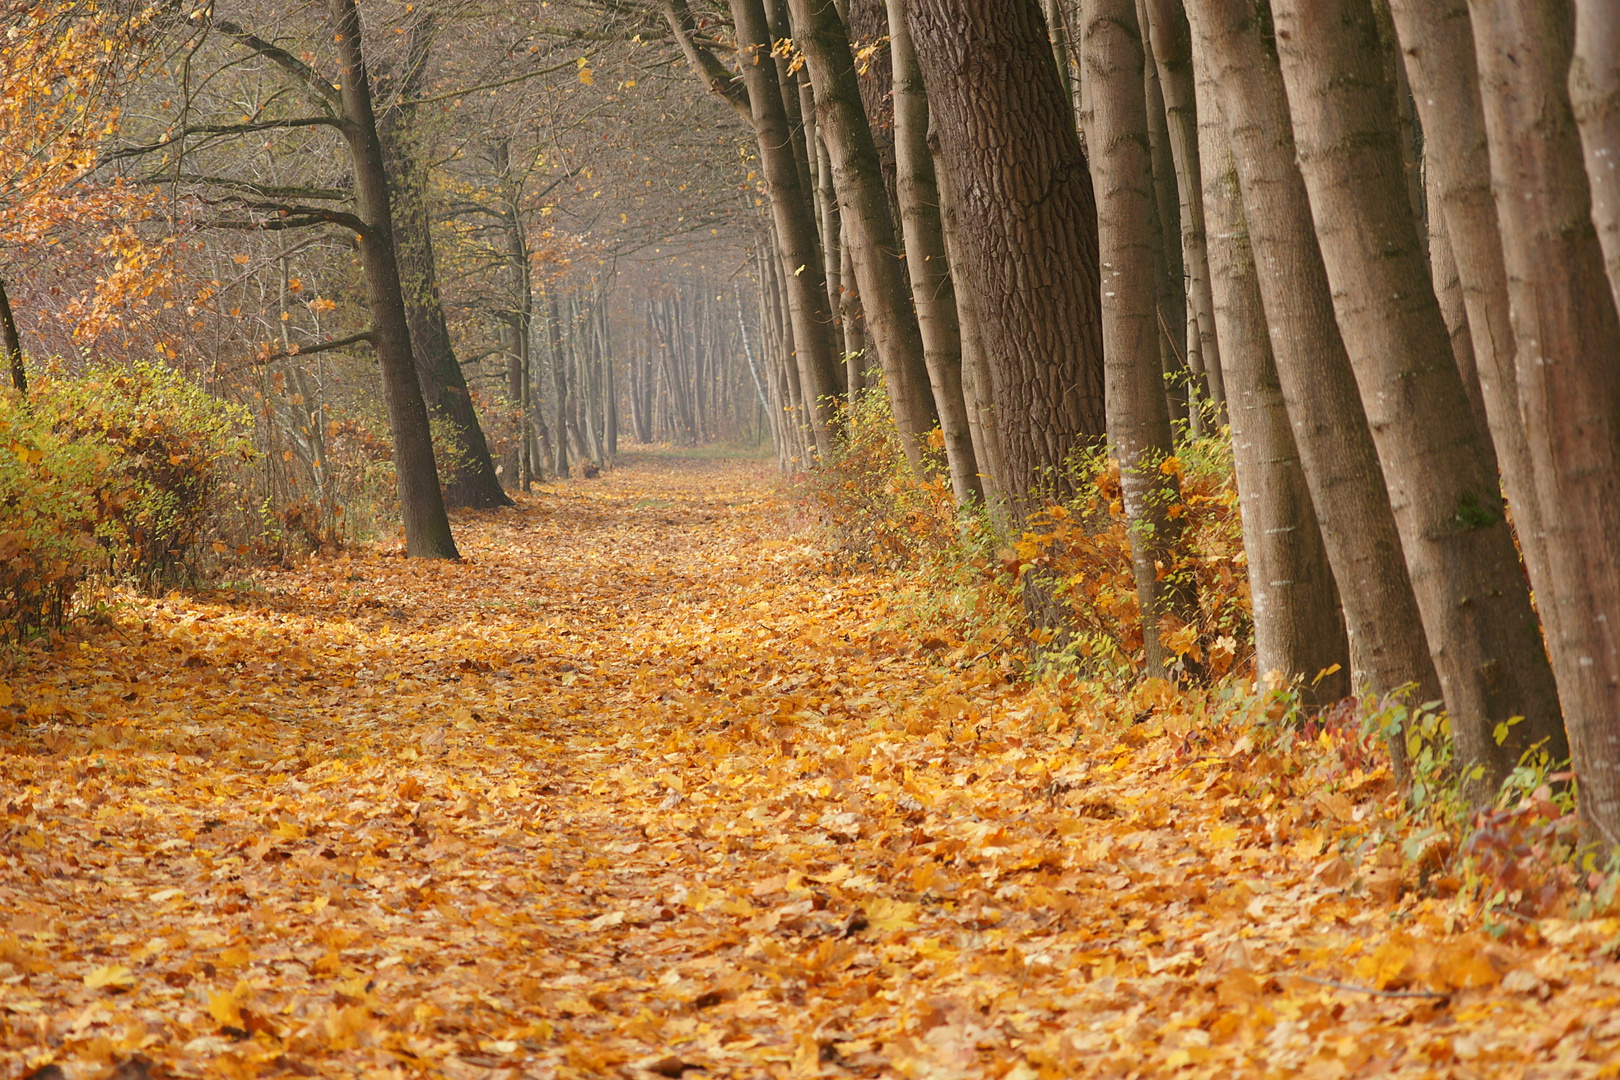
(691, 806)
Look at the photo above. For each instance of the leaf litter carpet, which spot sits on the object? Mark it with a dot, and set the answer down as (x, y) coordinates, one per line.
(648, 787)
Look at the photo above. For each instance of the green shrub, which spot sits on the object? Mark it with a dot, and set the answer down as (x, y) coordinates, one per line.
(116, 468)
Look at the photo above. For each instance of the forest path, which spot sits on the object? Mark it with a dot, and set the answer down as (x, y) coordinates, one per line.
(642, 788)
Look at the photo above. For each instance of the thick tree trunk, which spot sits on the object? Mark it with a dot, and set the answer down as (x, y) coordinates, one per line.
(1027, 220)
(1482, 632)
(11, 343)
(1298, 625)
(421, 502)
(1324, 407)
(926, 261)
(864, 204)
(1138, 416)
(1594, 91)
(1568, 339)
(470, 480)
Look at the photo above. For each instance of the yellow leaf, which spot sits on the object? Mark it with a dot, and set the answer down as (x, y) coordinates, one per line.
(111, 977)
(5, 695)
(586, 77)
(885, 914)
(224, 1008)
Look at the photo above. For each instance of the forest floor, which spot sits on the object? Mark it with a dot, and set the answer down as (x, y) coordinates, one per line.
(650, 785)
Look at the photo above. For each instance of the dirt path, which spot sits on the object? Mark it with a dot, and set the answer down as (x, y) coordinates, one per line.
(640, 789)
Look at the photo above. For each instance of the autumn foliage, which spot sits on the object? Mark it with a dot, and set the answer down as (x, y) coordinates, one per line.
(114, 470)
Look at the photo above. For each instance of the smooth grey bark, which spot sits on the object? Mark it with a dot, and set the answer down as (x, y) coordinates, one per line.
(977, 392)
(891, 324)
(1170, 280)
(1568, 338)
(1299, 628)
(1482, 631)
(421, 500)
(1594, 91)
(1171, 40)
(927, 265)
(559, 383)
(1026, 219)
(757, 96)
(1448, 291)
(1324, 406)
(1113, 59)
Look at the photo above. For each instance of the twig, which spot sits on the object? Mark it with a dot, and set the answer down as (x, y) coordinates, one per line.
(1370, 991)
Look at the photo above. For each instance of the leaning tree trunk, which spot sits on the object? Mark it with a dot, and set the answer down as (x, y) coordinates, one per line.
(1138, 413)
(421, 502)
(1027, 221)
(11, 343)
(1594, 91)
(864, 206)
(926, 261)
(1298, 624)
(757, 96)
(471, 479)
(1482, 632)
(1324, 407)
(1568, 339)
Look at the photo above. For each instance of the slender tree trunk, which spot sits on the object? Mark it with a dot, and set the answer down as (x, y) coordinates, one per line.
(470, 480)
(832, 251)
(864, 204)
(926, 262)
(1594, 91)
(1298, 624)
(1138, 414)
(757, 96)
(1324, 407)
(1170, 282)
(559, 383)
(1026, 219)
(1448, 291)
(1482, 631)
(421, 502)
(11, 343)
(1568, 339)
(1172, 54)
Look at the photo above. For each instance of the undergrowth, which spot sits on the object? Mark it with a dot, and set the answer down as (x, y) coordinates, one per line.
(1507, 864)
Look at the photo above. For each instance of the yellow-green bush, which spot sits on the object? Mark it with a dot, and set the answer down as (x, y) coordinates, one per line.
(116, 469)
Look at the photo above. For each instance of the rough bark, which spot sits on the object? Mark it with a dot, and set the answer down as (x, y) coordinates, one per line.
(470, 479)
(1298, 624)
(1482, 632)
(1027, 223)
(1324, 407)
(1594, 91)
(891, 324)
(926, 261)
(421, 501)
(1568, 339)
(1138, 415)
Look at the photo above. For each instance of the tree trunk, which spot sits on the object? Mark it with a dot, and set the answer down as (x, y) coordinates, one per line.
(977, 392)
(1448, 291)
(1138, 414)
(864, 205)
(1324, 407)
(11, 343)
(926, 262)
(1568, 339)
(1482, 632)
(1594, 91)
(758, 98)
(559, 382)
(421, 502)
(1298, 624)
(471, 480)
(1027, 221)
(1170, 281)
(1171, 42)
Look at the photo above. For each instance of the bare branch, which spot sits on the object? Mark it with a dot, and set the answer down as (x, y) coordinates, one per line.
(284, 59)
(715, 75)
